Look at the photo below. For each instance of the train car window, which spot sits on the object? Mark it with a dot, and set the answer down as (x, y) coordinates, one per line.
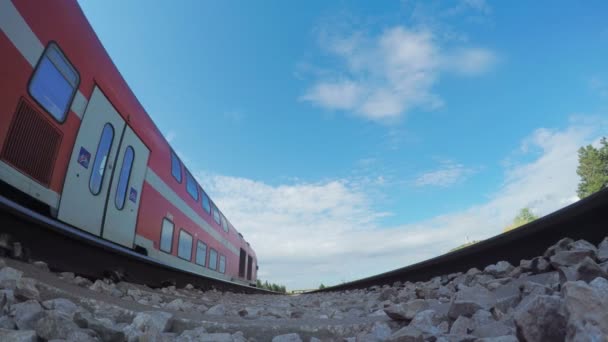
(216, 214)
(166, 236)
(123, 179)
(101, 159)
(191, 186)
(206, 204)
(213, 259)
(176, 167)
(201, 253)
(224, 224)
(222, 264)
(54, 82)
(184, 246)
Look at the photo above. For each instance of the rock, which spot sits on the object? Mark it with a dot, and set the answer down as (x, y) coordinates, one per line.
(293, 337)
(507, 296)
(428, 322)
(561, 245)
(500, 269)
(54, 325)
(461, 326)
(62, 305)
(493, 329)
(380, 331)
(387, 294)
(9, 277)
(179, 305)
(406, 311)
(602, 250)
(18, 252)
(26, 289)
(69, 276)
(470, 299)
(18, 336)
(506, 338)
(180, 325)
(7, 298)
(536, 265)
(541, 319)
(192, 335)
(82, 336)
(102, 286)
(152, 321)
(7, 322)
(26, 314)
(481, 318)
(585, 307)
(586, 270)
(407, 334)
(583, 245)
(601, 285)
(569, 258)
(82, 282)
(41, 265)
(189, 287)
(103, 327)
(217, 310)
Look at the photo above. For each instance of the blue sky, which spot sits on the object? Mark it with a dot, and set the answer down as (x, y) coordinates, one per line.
(347, 138)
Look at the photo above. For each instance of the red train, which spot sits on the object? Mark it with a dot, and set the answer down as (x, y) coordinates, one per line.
(75, 138)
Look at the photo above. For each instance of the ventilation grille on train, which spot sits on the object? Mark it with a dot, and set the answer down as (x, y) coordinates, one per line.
(32, 143)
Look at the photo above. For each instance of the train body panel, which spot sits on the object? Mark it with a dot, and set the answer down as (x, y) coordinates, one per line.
(43, 152)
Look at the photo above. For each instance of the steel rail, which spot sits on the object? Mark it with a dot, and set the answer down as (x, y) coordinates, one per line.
(586, 219)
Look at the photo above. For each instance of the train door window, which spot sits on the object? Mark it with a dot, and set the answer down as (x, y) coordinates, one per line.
(191, 186)
(166, 236)
(222, 264)
(101, 159)
(176, 167)
(54, 83)
(216, 214)
(201, 253)
(224, 224)
(184, 246)
(123, 179)
(213, 259)
(206, 204)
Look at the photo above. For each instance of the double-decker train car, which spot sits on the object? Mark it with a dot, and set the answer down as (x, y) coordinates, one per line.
(75, 141)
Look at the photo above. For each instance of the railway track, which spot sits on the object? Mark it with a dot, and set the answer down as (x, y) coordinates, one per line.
(65, 248)
(586, 219)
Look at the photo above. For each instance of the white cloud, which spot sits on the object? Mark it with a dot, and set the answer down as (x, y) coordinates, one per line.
(307, 233)
(448, 174)
(382, 77)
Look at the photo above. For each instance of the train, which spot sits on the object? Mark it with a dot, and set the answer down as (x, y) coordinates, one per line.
(76, 143)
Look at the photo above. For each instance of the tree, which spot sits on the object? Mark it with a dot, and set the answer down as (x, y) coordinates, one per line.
(592, 168)
(525, 216)
(321, 287)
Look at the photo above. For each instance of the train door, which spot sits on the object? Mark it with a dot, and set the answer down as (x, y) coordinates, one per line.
(103, 184)
(125, 190)
(85, 189)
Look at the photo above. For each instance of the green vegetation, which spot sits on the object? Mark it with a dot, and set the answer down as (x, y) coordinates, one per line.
(525, 216)
(271, 286)
(464, 245)
(321, 287)
(592, 168)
